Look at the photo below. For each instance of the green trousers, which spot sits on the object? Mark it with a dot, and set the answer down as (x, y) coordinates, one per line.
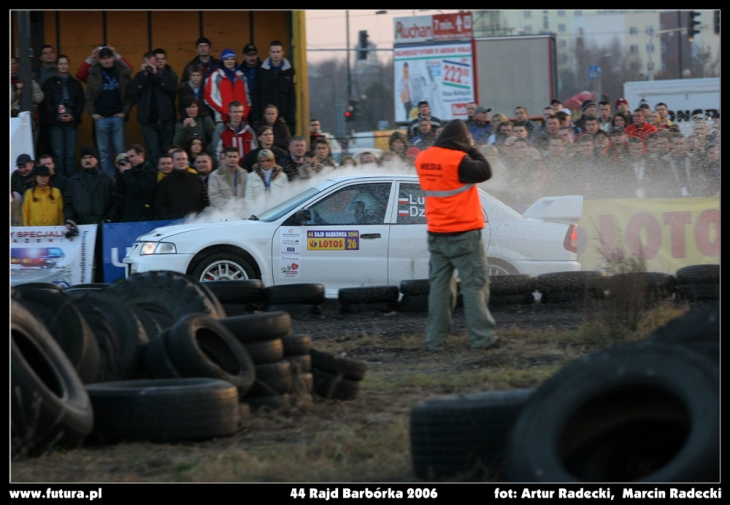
(463, 252)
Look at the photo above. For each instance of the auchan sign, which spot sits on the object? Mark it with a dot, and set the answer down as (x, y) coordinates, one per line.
(416, 29)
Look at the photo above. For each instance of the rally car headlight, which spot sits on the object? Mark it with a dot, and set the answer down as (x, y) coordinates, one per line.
(157, 248)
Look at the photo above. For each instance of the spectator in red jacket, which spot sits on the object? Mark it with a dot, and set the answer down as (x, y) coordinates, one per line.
(640, 128)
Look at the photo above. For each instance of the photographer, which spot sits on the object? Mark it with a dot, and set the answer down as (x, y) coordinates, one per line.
(64, 103)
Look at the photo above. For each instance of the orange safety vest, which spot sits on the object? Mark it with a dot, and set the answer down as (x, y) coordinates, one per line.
(451, 205)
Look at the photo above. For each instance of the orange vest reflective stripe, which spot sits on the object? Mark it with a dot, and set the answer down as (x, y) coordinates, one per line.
(451, 205)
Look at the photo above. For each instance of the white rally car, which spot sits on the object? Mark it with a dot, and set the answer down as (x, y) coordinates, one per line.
(356, 230)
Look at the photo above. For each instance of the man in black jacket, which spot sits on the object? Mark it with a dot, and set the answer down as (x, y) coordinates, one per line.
(274, 84)
(181, 192)
(137, 181)
(207, 62)
(154, 91)
(91, 195)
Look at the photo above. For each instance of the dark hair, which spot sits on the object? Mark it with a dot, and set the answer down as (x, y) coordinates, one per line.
(62, 56)
(205, 153)
(622, 115)
(149, 54)
(190, 144)
(45, 155)
(604, 102)
(562, 116)
(635, 140)
(136, 148)
(660, 103)
(234, 103)
(584, 138)
(190, 100)
(276, 43)
(591, 118)
(600, 132)
(262, 129)
(194, 68)
(231, 149)
(310, 154)
(159, 50)
(45, 46)
(519, 123)
(320, 140)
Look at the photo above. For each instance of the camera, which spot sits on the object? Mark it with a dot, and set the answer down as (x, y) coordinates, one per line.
(73, 232)
(148, 68)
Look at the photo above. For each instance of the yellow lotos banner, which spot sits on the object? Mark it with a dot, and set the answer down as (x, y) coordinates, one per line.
(665, 233)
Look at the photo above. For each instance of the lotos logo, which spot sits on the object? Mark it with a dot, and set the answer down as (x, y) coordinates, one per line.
(294, 266)
(458, 109)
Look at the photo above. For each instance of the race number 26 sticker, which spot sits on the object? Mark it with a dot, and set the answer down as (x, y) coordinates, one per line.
(333, 240)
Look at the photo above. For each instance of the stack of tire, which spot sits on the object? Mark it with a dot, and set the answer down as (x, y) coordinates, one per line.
(368, 299)
(567, 287)
(261, 335)
(641, 412)
(238, 296)
(296, 299)
(640, 288)
(336, 377)
(696, 283)
(415, 295)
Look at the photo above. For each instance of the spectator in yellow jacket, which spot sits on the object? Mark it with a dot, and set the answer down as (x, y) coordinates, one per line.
(43, 204)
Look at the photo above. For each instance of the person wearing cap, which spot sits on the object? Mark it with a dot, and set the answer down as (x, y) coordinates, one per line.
(42, 203)
(556, 104)
(154, 90)
(249, 66)
(480, 127)
(109, 103)
(205, 60)
(274, 84)
(82, 74)
(91, 195)
(227, 85)
(137, 183)
(622, 107)
(424, 111)
(57, 180)
(448, 173)
(21, 179)
(588, 109)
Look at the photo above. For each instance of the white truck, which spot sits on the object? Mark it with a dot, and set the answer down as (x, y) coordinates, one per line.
(685, 98)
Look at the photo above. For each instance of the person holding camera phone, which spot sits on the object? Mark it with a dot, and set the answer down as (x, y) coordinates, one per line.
(63, 101)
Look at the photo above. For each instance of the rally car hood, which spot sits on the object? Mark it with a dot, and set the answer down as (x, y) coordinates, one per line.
(165, 232)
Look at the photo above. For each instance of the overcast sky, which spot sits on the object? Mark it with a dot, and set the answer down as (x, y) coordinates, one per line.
(327, 29)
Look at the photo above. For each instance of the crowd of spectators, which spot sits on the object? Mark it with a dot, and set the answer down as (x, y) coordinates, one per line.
(222, 133)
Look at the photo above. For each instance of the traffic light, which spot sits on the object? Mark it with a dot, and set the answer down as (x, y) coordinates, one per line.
(362, 45)
(353, 110)
(717, 22)
(692, 23)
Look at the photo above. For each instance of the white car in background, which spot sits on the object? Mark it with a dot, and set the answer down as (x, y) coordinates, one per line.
(356, 230)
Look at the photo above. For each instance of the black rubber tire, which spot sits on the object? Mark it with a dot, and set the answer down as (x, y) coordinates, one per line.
(640, 287)
(258, 327)
(640, 412)
(368, 294)
(699, 329)
(265, 351)
(698, 274)
(415, 287)
(584, 281)
(205, 289)
(106, 338)
(305, 293)
(224, 266)
(296, 309)
(349, 368)
(272, 379)
(126, 363)
(464, 435)
(270, 402)
(296, 345)
(240, 309)
(503, 300)
(169, 295)
(333, 386)
(89, 286)
(200, 346)
(517, 284)
(414, 303)
(698, 292)
(241, 292)
(48, 404)
(68, 327)
(359, 308)
(158, 364)
(164, 410)
(571, 296)
(299, 364)
(46, 286)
